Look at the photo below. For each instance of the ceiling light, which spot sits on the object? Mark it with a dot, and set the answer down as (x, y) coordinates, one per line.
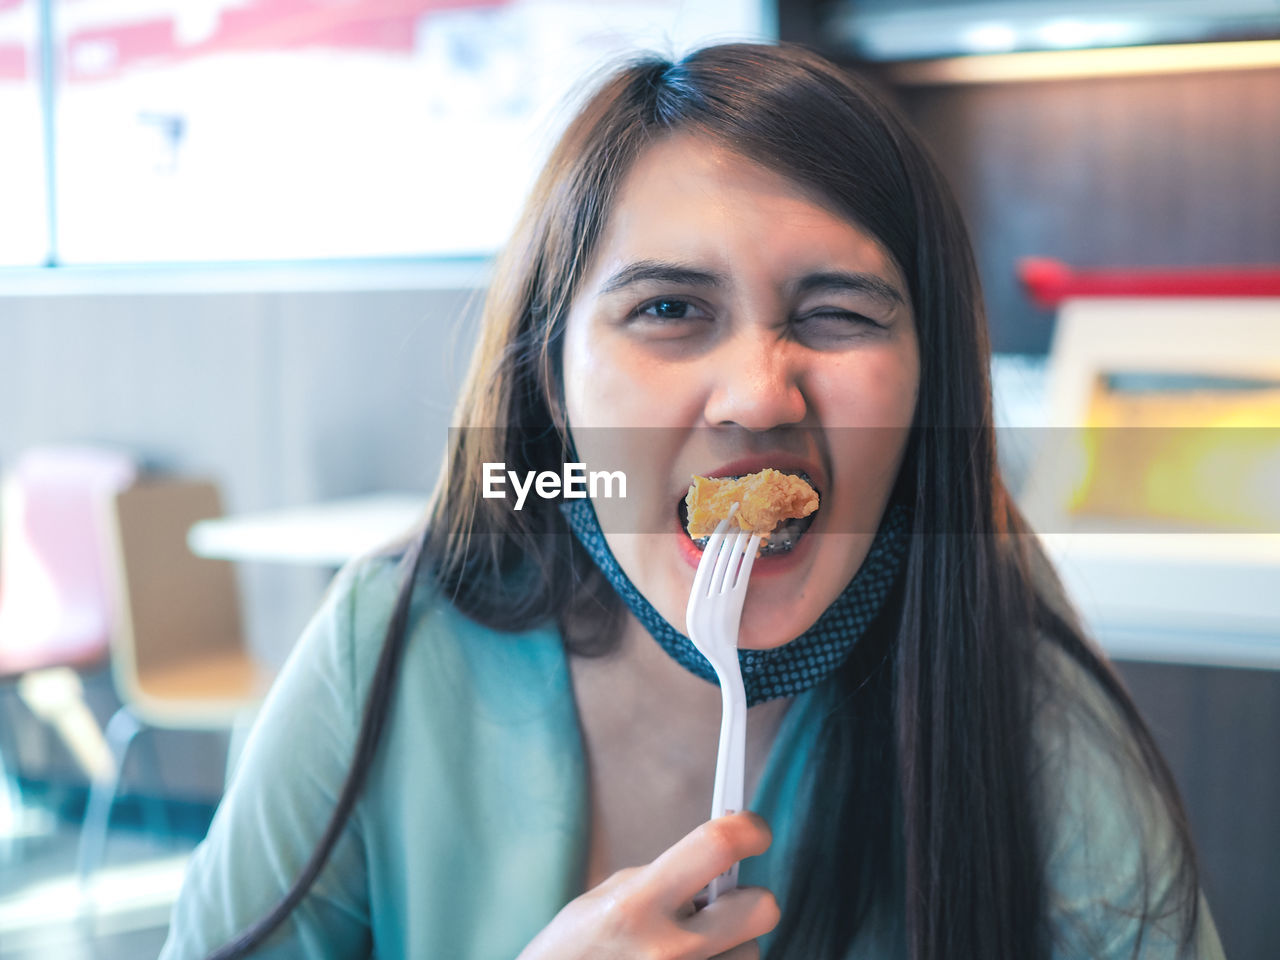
(989, 38)
(1115, 61)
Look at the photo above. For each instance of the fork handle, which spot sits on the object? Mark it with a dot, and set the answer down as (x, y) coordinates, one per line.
(727, 797)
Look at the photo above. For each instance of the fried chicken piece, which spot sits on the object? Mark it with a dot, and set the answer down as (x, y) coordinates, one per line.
(765, 499)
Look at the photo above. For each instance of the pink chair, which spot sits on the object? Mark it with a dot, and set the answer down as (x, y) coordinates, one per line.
(55, 593)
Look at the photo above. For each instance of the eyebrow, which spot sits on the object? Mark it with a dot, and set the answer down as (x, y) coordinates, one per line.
(662, 272)
(840, 281)
(836, 281)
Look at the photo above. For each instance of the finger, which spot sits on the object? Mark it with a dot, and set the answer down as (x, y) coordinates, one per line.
(743, 951)
(747, 912)
(705, 852)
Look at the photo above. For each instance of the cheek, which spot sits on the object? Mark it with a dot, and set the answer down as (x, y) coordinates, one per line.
(867, 390)
(620, 417)
(609, 382)
(868, 407)
(591, 384)
(624, 408)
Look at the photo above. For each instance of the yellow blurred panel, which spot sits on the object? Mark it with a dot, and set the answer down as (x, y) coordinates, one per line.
(1198, 458)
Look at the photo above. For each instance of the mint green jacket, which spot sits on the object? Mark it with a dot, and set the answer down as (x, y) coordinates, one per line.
(471, 832)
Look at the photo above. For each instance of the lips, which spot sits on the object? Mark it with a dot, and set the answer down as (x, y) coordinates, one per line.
(787, 534)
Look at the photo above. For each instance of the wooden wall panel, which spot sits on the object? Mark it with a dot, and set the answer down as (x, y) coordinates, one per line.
(1220, 731)
(1173, 170)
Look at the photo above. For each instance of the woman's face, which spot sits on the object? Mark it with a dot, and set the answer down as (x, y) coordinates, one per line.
(730, 322)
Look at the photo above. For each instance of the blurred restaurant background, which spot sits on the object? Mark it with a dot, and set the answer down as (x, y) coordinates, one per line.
(242, 248)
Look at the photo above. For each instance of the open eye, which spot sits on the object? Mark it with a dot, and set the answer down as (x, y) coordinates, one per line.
(667, 308)
(671, 318)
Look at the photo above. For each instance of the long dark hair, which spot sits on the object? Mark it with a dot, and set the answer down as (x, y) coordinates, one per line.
(927, 787)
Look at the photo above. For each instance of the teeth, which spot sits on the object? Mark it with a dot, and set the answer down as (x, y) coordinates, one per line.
(782, 539)
(786, 535)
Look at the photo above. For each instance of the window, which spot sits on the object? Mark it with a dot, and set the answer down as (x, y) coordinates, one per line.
(286, 129)
(23, 217)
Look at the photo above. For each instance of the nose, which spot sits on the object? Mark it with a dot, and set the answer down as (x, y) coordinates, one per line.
(755, 383)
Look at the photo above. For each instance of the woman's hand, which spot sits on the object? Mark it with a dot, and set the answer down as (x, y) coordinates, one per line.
(647, 913)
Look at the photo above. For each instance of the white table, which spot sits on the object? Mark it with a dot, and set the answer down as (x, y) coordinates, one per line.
(1205, 599)
(1208, 599)
(323, 534)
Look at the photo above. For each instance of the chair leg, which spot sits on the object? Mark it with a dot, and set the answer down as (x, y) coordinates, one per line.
(155, 806)
(56, 696)
(121, 730)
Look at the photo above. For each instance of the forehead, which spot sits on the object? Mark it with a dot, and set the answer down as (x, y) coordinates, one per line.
(689, 198)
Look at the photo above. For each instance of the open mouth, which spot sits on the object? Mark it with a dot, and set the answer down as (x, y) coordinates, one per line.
(783, 538)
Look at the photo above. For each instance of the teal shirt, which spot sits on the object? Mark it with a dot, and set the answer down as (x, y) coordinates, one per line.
(471, 832)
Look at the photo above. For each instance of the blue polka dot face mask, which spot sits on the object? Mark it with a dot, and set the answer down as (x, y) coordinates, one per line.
(783, 671)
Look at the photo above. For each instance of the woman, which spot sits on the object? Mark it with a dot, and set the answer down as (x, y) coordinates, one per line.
(738, 260)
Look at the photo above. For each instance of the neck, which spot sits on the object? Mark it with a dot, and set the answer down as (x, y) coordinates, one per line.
(659, 706)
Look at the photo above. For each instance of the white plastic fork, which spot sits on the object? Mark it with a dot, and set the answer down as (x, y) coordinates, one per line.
(712, 618)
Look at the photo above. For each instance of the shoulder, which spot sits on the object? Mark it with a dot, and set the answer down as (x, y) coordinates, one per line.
(1120, 875)
(450, 653)
(474, 716)
(477, 791)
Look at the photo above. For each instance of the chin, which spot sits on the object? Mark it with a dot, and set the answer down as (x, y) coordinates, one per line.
(780, 609)
(787, 595)
(767, 625)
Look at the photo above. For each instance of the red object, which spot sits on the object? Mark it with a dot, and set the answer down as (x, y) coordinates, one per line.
(1049, 282)
(106, 50)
